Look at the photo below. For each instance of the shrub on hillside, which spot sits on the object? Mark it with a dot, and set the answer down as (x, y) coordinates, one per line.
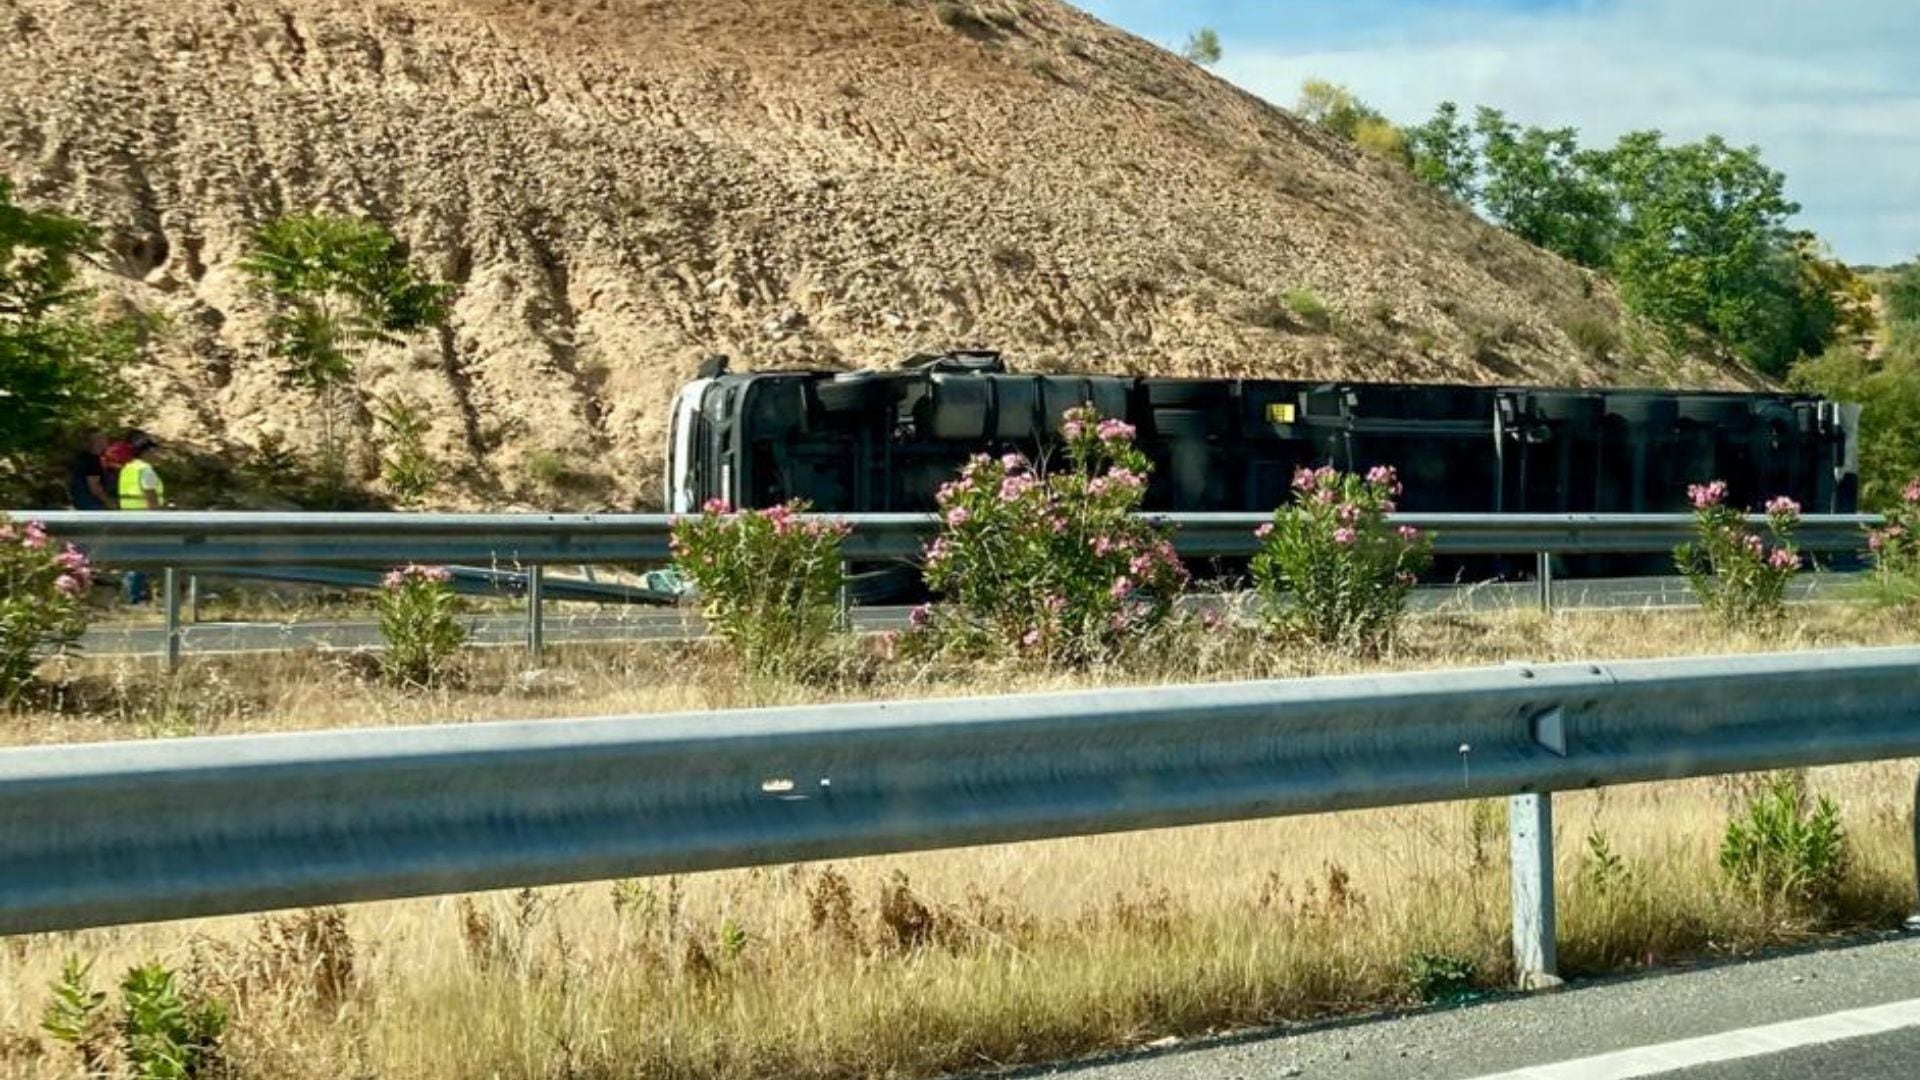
(1052, 565)
(419, 620)
(1332, 568)
(769, 583)
(1738, 577)
(43, 601)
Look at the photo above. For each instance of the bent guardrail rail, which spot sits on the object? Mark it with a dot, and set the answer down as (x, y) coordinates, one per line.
(123, 832)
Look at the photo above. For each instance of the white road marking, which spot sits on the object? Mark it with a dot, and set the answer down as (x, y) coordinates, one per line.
(1727, 1046)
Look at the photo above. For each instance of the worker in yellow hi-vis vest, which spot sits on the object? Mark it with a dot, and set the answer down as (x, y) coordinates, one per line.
(140, 488)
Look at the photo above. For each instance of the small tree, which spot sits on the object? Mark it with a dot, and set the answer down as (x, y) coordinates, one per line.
(337, 285)
(1738, 578)
(769, 583)
(43, 602)
(1332, 568)
(60, 368)
(1052, 565)
(419, 618)
(408, 468)
(1444, 154)
(1202, 47)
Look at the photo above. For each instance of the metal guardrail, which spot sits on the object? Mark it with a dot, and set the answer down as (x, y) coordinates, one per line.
(137, 831)
(211, 540)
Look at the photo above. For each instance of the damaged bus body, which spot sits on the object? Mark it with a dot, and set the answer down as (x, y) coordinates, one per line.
(885, 440)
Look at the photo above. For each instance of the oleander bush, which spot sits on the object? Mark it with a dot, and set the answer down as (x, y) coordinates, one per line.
(768, 581)
(43, 602)
(419, 618)
(1332, 568)
(1739, 576)
(1051, 564)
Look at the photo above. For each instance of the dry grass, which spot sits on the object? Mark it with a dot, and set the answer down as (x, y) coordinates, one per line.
(914, 965)
(107, 698)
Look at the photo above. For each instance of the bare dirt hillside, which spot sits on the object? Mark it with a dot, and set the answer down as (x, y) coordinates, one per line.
(620, 186)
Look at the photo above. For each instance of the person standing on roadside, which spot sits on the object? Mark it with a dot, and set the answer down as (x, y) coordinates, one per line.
(87, 475)
(140, 488)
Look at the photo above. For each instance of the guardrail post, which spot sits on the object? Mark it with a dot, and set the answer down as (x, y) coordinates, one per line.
(1530, 830)
(1913, 921)
(1543, 571)
(536, 626)
(170, 604)
(846, 595)
(193, 598)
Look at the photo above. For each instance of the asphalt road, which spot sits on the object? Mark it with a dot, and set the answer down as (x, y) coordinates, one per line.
(658, 624)
(1851, 1012)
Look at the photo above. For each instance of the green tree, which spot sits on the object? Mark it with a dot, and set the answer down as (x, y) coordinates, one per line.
(1203, 47)
(1544, 188)
(1443, 152)
(1902, 295)
(1888, 392)
(1703, 244)
(338, 285)
(60, 367)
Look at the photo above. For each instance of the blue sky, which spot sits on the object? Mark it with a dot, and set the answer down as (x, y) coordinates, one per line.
(1828, 89)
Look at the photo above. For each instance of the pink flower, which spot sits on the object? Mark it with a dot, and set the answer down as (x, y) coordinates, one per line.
(1347, 513)
(1102, 545)
(937, 550)
(1324, 496)
(1121, 586)
(1875, 540)
(920, 617)
(1210, 619)
(1409, 533)
(1706, 495)
(1072, 429)
(1783, 507)
(393, 579)
(959, 516)
(1912, 492)
(1015, 486)
(1056, 603)
(1126, 477)
(36, 536)
(1031, 638)
(71, 559)
(1013, 462)
(6, 531)
(67, 584)
(716, 505)
(1058, 524)
(1141, 565)
(1344, 536)
(1783, 559)
(1113, 430)
(1754, 546)
(1384, 477)
(1303, 479)
(1264, 531)
(1404, 577)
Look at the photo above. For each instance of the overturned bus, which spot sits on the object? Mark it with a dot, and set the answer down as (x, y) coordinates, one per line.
(885, 440)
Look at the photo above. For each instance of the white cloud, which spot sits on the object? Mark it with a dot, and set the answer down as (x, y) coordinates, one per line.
(1829, 91)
